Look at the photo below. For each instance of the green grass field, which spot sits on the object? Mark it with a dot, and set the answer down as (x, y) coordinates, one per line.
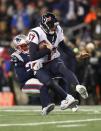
(28, 118)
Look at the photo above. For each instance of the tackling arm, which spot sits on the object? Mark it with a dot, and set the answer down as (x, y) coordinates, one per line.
(36, 53)
(66, 49)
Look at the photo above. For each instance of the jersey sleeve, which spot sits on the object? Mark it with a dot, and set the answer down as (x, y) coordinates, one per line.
(61, 34)
(33, 37)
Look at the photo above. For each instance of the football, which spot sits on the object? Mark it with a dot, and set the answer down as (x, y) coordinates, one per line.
(43, 44)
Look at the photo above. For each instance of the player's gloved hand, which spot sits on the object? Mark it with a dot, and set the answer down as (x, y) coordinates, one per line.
(36, 65)
(49, 46)
(45, 44)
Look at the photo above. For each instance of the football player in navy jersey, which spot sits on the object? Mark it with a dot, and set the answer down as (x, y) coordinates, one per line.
(49, 36)
(29, 84)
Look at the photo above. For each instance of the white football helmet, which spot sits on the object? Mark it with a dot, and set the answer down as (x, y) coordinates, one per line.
(20, 43)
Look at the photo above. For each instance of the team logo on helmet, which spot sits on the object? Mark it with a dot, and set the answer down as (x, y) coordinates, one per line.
(48, 22)
(20, 43)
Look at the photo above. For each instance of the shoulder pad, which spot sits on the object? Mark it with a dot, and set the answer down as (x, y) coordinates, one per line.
(38, 30)
(59, 29)
(17, 55)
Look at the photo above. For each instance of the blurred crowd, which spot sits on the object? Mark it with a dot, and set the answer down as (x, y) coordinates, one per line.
(81, 21)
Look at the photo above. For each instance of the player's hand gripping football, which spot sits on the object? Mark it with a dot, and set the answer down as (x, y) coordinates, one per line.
(45, 44)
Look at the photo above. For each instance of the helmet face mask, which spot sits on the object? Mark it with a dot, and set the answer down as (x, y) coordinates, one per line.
(20, 44)
(23, 48)
(49, 23)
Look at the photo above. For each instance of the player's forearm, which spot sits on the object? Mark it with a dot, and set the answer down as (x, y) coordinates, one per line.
(66, 49)
(35, 53)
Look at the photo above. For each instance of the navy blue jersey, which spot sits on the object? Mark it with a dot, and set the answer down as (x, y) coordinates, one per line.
(22, 67)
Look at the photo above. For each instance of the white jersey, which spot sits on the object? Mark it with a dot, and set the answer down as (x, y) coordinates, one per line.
(37, 35)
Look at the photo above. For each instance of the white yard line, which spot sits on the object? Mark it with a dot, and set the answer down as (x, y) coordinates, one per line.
(35, 109)
(19, 110)
(71, 125)
(68, 111)
(38, 108)
(50, 123)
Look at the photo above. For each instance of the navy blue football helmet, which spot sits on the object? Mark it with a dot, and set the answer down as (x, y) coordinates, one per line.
(49, 23)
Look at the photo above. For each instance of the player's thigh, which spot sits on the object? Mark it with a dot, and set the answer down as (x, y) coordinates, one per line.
(59, 68)
(67, 74)
(55, 65)
(43, 76)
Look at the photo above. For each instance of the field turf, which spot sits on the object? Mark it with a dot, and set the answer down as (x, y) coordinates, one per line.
(29, 118)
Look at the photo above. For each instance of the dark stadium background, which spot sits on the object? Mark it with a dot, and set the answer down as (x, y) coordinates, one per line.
(81, 21)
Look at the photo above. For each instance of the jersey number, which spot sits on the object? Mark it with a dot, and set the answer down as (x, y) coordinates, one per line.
(31, 36)
(28, 66)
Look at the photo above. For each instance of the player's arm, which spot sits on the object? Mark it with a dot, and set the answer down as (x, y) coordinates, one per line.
(20, 69)
(18, 66)
(66, 49)
(62, 44)
(34, 50)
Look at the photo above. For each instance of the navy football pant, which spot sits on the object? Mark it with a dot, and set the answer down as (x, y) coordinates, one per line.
(52, 69)
(44, 96)
(58, 68)
(45, 77)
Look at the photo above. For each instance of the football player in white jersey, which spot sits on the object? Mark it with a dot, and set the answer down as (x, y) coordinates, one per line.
(49, 35)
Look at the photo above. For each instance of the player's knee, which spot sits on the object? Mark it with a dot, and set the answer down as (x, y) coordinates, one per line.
(50, 83)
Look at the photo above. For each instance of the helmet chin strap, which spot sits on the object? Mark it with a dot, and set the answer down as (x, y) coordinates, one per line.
(51, 32)
(26, 52)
